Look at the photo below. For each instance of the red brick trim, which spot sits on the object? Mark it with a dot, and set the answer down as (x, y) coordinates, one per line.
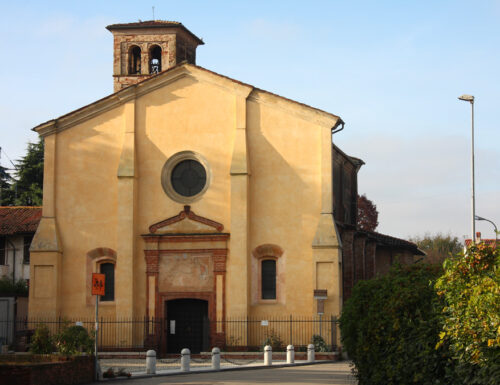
(174, 238)
(187, 213)
(219, 257)
(267, 250)
(101, 252)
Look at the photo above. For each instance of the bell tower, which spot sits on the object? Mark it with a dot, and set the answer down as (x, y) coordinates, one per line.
(146, 48)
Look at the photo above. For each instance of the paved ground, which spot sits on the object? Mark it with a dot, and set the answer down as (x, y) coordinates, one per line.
(338, 373)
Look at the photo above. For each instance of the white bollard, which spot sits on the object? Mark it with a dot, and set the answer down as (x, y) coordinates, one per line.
(310, 353)
(150, 362)
(290, 354)
(215, 359)
(185, 359)
(268, 355)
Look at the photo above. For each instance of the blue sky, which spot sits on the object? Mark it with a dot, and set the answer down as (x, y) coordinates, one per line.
(391, 69)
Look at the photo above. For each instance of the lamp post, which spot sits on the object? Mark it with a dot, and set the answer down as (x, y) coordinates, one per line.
(478, 218)
(470, 99)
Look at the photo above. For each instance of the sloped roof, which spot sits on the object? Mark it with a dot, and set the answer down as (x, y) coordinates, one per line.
(387, 240)
(19, 219)
(153, 24)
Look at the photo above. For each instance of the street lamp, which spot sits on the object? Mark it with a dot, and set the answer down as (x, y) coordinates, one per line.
(478, 218)
(470, 99)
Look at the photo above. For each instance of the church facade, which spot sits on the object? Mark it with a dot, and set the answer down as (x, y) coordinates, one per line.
(194, 194)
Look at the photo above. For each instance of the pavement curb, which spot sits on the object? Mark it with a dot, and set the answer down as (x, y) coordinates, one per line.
(231, 369)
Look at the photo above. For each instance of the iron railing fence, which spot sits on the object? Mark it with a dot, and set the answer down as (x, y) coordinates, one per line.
(252, 333)
(113, 333)
(238, 333)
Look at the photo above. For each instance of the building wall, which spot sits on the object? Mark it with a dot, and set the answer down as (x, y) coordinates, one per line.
(270, 162)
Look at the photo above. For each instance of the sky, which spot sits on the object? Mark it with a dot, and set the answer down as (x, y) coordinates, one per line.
(392, 70)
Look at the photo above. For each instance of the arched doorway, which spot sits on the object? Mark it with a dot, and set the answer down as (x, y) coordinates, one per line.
(187, 325)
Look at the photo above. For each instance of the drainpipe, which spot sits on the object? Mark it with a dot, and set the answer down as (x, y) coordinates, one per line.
(341, 123)
(336, 129)
(13, 260)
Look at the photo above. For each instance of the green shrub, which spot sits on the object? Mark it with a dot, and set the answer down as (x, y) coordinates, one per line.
(9, 287)
(470, 287)
(41, 342)
(274, 340)
(73, 340)
(390, 327)
(319, 343)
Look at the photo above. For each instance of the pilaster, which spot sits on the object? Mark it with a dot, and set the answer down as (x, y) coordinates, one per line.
(238, 293)
(326, 243)
(347, 262)
(126, 210)
(46, 248)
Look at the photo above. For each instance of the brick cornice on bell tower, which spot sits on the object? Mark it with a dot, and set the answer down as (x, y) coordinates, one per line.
(145, 48)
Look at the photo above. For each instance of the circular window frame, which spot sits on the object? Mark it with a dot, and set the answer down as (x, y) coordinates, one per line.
(166, 176)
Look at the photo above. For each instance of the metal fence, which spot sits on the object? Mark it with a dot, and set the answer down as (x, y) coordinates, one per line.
(252, 333)
(236, 334)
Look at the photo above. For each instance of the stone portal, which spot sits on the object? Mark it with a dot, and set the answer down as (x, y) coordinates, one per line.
(186, 268)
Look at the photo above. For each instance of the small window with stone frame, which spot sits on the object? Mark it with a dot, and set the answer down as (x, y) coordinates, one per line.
(108, 269)
(26, 249)
(268, 279)
(2, 251)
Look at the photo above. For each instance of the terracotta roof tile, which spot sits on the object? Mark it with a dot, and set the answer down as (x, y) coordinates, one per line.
(19, 219)
(146, 23)
(154, 24)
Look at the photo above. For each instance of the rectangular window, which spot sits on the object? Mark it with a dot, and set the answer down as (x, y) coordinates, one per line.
(108, 269)
(268, 279)
(3, 252)
(26, 251)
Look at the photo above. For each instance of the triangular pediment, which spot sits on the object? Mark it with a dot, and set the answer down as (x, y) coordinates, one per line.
(172, 75)
(186, 222)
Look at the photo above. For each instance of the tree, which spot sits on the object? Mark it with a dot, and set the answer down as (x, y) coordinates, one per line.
(438, 247)
(390, 327)
(470, 287)
(367, 214)
(29, 176)
(6, 192)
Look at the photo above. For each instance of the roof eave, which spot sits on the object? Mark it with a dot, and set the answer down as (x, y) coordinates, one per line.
(152, 83)
(117, 27)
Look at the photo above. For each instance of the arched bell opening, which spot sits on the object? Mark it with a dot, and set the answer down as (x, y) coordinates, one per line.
(155, 59)
(134, 60)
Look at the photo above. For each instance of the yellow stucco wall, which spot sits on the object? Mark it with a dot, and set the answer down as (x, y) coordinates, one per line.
(269, 160)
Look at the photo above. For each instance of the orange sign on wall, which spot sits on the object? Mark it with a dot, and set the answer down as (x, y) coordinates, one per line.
(98, 284)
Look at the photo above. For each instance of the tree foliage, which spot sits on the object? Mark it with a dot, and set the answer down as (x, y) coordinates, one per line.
(470, 287)
(367, 214)
(9, 287)
(438, 247)
(29, 176)
(424, 325)
(390, 327)
(6, 190)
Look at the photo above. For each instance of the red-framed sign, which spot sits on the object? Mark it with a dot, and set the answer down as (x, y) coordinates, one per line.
(98, 284)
